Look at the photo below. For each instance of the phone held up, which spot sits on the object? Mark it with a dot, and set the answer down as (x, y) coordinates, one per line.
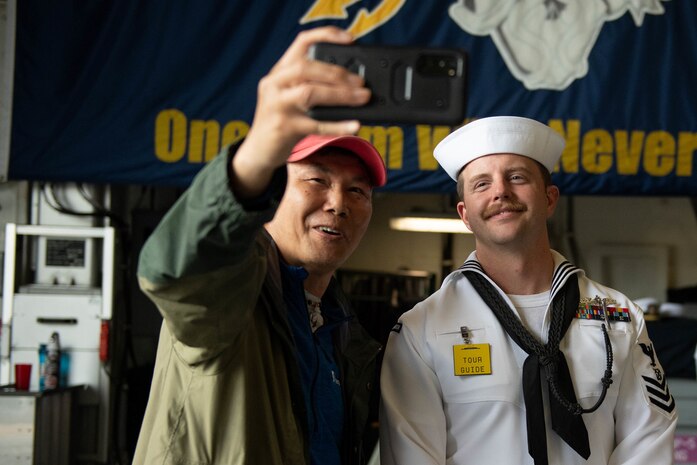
(409, 85)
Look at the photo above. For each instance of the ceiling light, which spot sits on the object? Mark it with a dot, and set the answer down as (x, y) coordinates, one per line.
(429, 222)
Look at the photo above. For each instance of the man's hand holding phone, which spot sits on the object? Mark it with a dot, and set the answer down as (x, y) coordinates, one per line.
(294, 85)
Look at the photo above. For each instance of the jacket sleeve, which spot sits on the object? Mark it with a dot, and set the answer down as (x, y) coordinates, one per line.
(203, 266)
(412, 421)
(645, 414)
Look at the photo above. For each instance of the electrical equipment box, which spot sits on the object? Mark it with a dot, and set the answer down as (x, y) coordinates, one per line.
(66, 260)
(70, 260)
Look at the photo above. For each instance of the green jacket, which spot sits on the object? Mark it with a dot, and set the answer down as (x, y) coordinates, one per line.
(225, 388)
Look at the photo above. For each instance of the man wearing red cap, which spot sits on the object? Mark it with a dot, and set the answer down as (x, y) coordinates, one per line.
(260, 360)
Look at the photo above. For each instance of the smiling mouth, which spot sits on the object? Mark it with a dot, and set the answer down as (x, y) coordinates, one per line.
(503, 212)
(328, 230)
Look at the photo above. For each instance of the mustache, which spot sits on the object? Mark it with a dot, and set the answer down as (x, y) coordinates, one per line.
(506, 206)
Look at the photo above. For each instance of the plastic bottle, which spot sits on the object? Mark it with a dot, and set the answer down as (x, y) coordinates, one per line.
(64, 369)
(42, 366)
(51, 372)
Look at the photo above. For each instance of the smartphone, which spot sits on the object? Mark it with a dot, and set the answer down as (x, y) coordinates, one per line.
(409, 85)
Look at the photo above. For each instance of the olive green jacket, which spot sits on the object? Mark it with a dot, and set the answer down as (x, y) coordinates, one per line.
(226, 384)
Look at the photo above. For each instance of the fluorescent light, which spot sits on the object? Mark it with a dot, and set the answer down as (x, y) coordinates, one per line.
(428, 222)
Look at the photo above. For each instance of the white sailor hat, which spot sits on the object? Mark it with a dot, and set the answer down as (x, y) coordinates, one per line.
(499, 134)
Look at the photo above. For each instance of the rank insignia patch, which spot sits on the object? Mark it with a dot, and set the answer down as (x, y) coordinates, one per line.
(656, 387)
(397, 327)
(659, 394)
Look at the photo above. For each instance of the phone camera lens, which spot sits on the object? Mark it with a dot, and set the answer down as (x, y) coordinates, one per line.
(436, 66)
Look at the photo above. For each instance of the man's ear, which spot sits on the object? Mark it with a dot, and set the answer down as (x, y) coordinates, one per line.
(552, 199)
(462, 212)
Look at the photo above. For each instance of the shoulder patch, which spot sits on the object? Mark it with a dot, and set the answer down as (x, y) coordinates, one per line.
(397, 327)
(654, 382)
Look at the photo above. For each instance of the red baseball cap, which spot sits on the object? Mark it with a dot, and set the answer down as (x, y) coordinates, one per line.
(360, 147)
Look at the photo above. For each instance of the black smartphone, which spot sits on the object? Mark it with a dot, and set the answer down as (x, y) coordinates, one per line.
(409, 85)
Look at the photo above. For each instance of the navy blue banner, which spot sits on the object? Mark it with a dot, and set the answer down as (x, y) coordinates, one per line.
(146, 92)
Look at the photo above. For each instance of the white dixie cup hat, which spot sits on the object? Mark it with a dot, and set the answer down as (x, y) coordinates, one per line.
(499, 134)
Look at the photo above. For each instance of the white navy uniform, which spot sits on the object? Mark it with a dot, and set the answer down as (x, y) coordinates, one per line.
(431, 416)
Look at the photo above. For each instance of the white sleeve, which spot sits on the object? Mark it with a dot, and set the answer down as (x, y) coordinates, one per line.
(412, 421)
(645, 414)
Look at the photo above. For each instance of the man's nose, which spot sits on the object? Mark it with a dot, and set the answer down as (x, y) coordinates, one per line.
(502, 190)
(336, 203)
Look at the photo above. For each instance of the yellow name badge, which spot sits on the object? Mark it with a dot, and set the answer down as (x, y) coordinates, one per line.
(472, 359)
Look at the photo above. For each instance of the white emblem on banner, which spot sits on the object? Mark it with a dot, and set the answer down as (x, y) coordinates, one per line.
(546, 43)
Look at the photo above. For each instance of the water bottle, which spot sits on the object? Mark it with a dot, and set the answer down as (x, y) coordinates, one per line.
(42, 366)
(51, 372)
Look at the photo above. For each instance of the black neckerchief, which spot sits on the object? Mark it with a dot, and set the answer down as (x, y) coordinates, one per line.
(547, 359)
